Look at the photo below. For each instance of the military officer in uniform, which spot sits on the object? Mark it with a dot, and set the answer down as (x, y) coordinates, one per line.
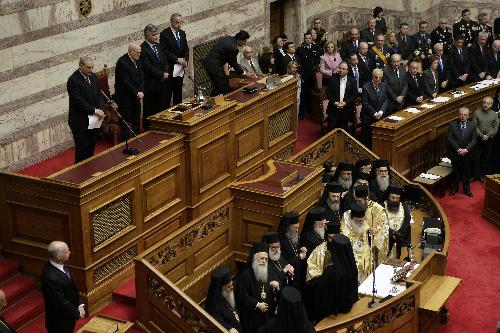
(380, 54)
(421, 42)
(467, 28)
(442, 34)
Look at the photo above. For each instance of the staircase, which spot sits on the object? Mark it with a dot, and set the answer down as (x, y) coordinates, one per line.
(24, 302)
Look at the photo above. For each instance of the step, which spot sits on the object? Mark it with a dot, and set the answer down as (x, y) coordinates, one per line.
(121, 311)
(126, 292)
(17, 287)
(25, 310)
(36, 326)
(8, 269)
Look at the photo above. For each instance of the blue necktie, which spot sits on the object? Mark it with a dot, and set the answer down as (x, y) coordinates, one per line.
(462, 129)
(156, 51)
(66, 271)
(178, 39)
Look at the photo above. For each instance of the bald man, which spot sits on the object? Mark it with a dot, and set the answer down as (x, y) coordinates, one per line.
(4, 327)
(63, 306)
(249, 63)
(129, 89)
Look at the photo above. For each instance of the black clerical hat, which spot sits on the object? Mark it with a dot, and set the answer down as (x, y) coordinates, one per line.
(261, 247)
(334, 187)
(357, 210)
(381, 163)
(222, 274)
(290, 218)
(345, 166)
(291, 294)
(394, 189)
(360, 191)
(328, 166)
(332, 228)
(316, 214)
(271, 237)
(363, 175)
(363, 162)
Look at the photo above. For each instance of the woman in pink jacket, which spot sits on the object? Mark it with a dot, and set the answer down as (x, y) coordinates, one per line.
(329, 62)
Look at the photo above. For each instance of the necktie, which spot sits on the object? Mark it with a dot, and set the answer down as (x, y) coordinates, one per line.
(462, 129)
(155, 51)
(377, 90)
(253, 66)
(178, 38)
(397, 73)
(416, 81)
(460, 55)
(355, 45)
(441, 64)
(87, 79)
(356, 75)
(66, 271)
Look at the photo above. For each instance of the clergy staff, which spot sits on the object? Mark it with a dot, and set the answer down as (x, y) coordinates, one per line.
(220, 302)
(291, 316)
(256, 294)
(399, 217)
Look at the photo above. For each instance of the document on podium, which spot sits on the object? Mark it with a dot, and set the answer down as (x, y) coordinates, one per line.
(94, 121)
(178, 71)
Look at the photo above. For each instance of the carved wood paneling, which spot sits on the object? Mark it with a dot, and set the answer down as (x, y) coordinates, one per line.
(213, 161)
(318, 152)
(280, 123)
(115, 264)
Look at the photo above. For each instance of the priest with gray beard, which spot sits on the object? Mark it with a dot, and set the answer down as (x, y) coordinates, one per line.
(399, 217)
(330, 201)
(381, 179)
(220, 302)
(256, 294)
(313, 231)
(343, 175)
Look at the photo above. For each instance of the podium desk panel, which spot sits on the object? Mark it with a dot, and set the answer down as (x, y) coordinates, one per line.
(492, 199)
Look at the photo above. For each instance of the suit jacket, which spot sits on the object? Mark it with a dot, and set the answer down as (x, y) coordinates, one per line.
(224, 51)
(494, 64)
(415, 89)
(61, 300)
(245, 64)
(404, 47)
(396, 86)
(430, 83)
(171, 49)
(153, 67)
(347, 49)
(327, 64)
(457, 66)
(285, 61)
(350, 95)
(478, 60)
(129, 80)
(5, 327)
(366, 35)
(308, 58)
(278, 60)
(376, 61)
(373, 102)
(456, 141)
(421, 43)
(365, 66)
(83, 99)
(444, 69)
(364, 74)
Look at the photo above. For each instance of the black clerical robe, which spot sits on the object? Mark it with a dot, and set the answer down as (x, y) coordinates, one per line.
(226, 315)
(310, 240)
(248, 294)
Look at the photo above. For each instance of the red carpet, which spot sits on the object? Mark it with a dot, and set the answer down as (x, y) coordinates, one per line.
(473, 256)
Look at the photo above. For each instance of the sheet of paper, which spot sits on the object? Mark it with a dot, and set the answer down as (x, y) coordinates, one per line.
(94, 121)
(178, 70)
(412, 110)
(440, 99)
(427, 106)
(396, 118)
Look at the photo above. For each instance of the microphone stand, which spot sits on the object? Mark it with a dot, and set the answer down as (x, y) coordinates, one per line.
(127, 150)
(372, 303)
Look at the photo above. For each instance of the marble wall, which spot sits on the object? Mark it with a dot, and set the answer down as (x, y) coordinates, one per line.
(41, 41)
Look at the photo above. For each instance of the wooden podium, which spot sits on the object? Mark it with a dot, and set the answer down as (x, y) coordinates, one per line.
(260, 202)
(394, 141)
(105, 324)
(492, 199)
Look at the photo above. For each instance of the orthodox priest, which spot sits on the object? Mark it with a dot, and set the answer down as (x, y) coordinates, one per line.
(361, 179)
(354, 227)
(343, 175)
(376, 218)
(313, 231)
(279, 269)
(256, 294)
(330, 201)
(289, 238)
(220, 302)
(381, 179)
(399, 217)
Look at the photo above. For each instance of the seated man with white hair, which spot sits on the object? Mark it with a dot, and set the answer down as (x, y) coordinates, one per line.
(248, 63)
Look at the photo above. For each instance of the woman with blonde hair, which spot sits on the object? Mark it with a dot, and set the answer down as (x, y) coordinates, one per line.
(329, 62)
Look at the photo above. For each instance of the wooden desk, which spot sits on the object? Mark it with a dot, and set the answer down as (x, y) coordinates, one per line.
(492, 199)
(105, 324)
(107, 209)
(394, 141)
(228, 141)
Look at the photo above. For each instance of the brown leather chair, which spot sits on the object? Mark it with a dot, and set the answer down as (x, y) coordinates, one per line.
(110, 125)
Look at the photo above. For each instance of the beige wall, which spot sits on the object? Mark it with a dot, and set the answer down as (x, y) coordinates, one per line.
(40, 42)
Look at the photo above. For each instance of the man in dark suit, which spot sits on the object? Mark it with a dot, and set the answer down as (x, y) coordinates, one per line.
(494, 61)
(279, 52)
(374, 105)
(63, 306)
(415, 92)
(225, 51)
(85, 100)
(459, 64)
(462, 136)
(350, 46)
(379, 54)
(443, 67)
(174, 44)
(397, 87)
(363, 61)
(342, 93)
(129, 88)
(289, 56)
(155, 67)
(308, 58)
(360, 74)
(479, 53)
(421, 42)
(368, 34)
(4, 327)
(404, 42)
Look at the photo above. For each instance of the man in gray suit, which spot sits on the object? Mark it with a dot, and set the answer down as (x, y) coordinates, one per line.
(395, 78)
(374, 105)
(248, 63)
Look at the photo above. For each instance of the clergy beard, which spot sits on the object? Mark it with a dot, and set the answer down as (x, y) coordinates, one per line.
(383, 182)
(346, 184)
(260, 272)
(229, 297)
(293, 237)
(359, 228)
(333, 205)
(320, 231)
(393, 206)
(274, 256)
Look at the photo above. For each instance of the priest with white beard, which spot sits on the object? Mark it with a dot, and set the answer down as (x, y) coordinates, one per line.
(381, 179)
(256, 294)
(399, 217)
(330, 201)
(313, 231)
(355, 227)
(279, 269)
(220, 302)
(343, 176)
